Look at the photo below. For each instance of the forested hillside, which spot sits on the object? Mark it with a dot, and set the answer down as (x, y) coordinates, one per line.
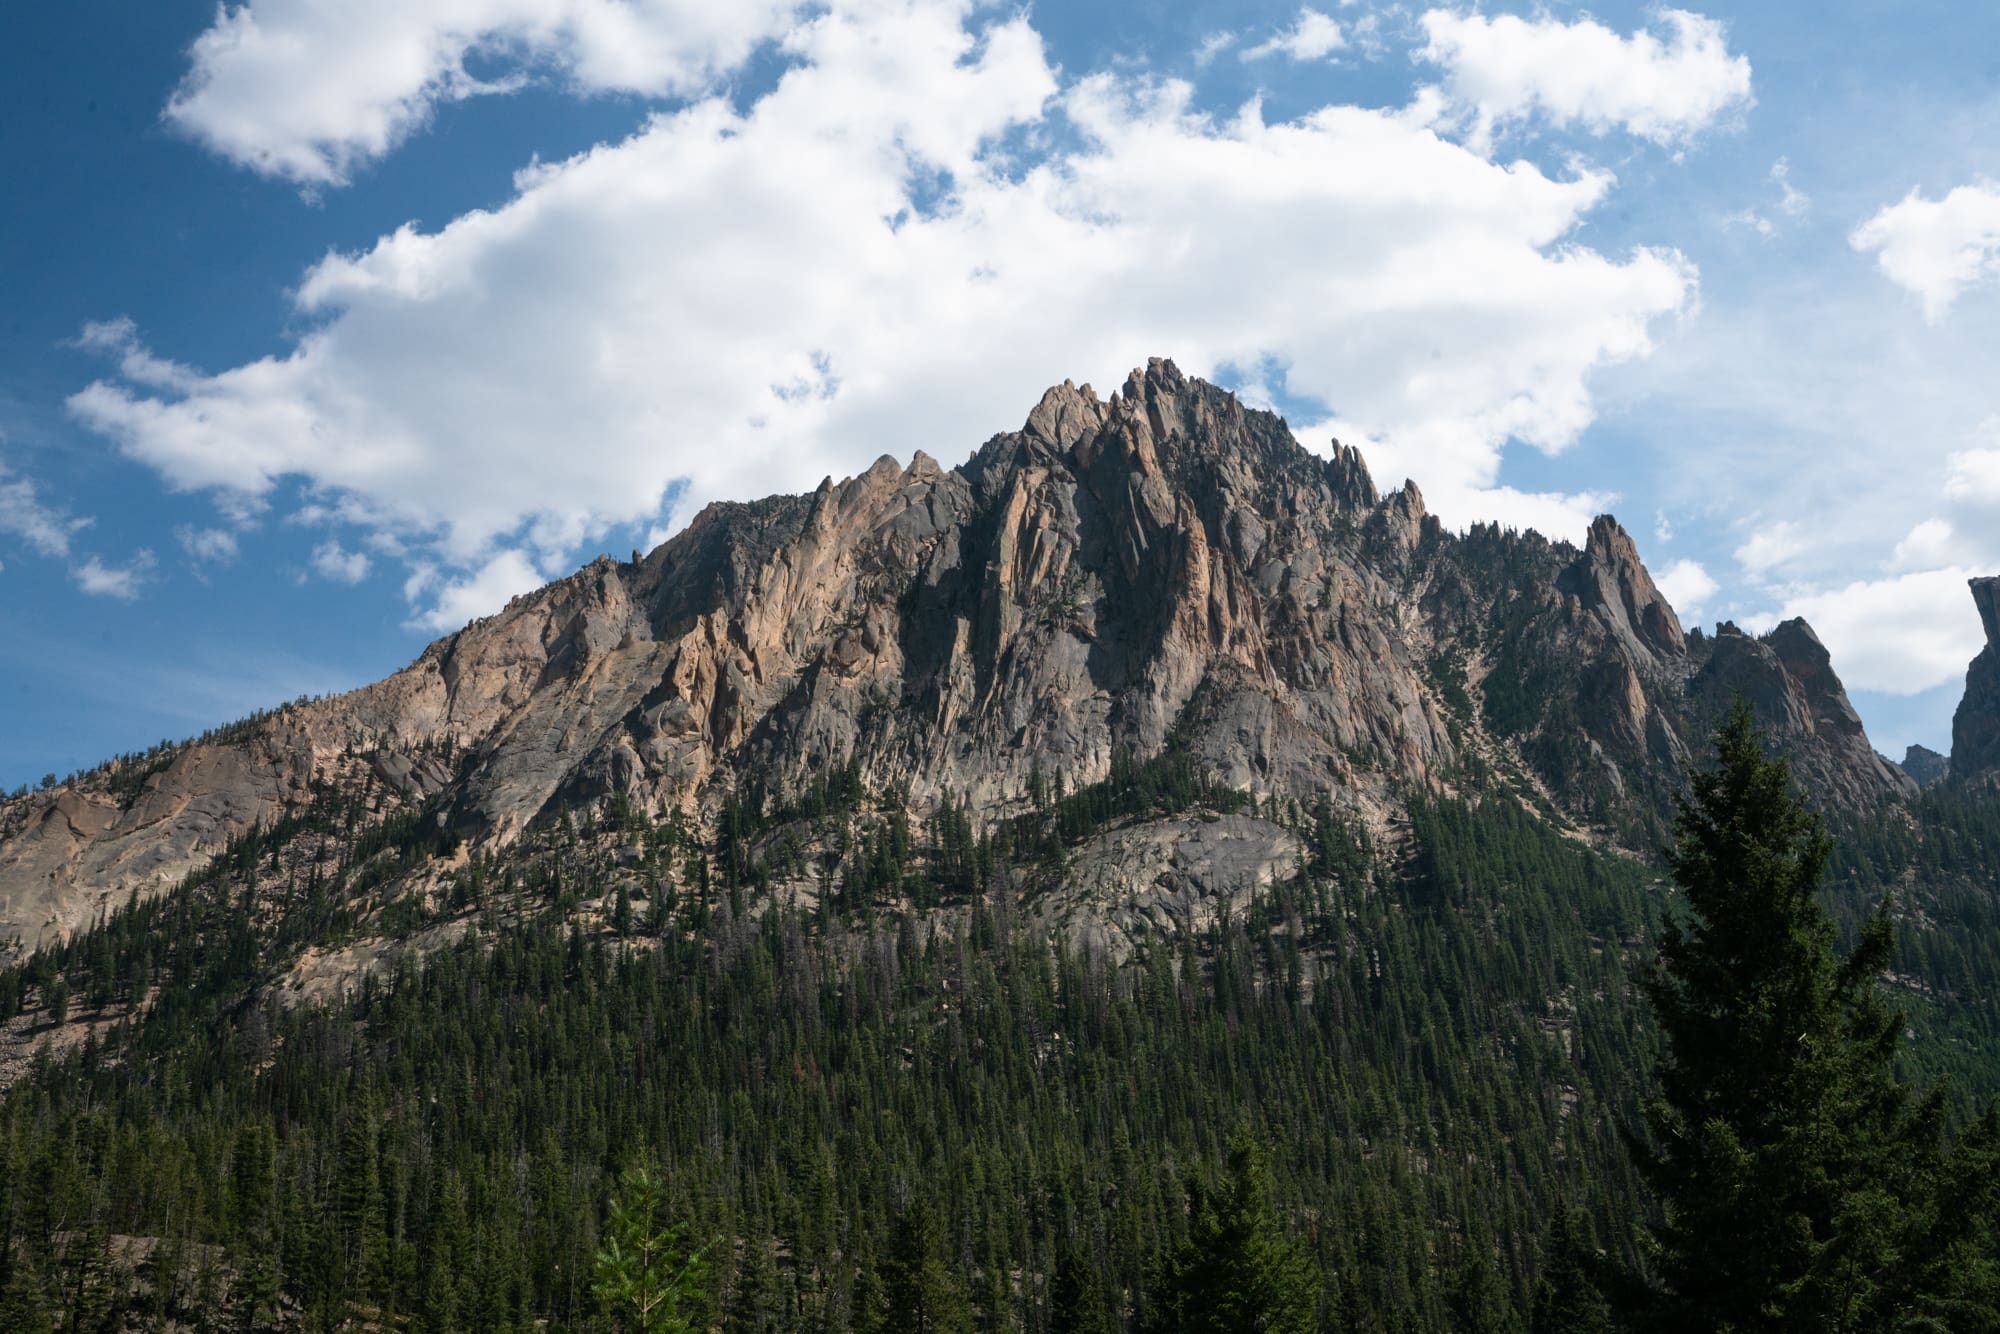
(1141, 880)
(854, 1050)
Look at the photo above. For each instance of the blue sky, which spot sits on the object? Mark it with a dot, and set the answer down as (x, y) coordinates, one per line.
(331, 323)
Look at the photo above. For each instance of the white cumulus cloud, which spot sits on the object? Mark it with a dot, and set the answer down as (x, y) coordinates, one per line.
(1662, 87)
(1687, 587)
(1899, 635)
(1928, 543)
(1771, 547)
(1936, 248)
(1312, 36)
(734, 301)
(480, 593)
(1973, 474)
(308, 90)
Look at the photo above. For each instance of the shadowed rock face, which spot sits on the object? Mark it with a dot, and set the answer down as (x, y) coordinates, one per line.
(1975, 728)
(1925, 765)
(1160, 563)
(1788, 678)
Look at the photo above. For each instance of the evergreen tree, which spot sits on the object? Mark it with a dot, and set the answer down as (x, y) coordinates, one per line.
(446, 1257)
(24, 1301)
(753, 1306)
(644, 1274)
(923, 1292)
(1788, 1162)
(1076, 1299)
(55, 997)
(87, 1279)
(868, 1305)
(358, 1202)
(1567, 1299)
(1479, 1302)
(1238, 1272)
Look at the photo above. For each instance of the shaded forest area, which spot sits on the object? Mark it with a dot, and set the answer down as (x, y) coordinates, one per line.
(1393, 1090)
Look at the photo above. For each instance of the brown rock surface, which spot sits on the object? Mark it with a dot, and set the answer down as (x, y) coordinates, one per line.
(1162, 563)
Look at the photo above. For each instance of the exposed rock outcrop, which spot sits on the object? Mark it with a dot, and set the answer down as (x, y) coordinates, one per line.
(1788, 679)
(1613, 586)
(1925, 766)
(1159, 564)
(1975, 728)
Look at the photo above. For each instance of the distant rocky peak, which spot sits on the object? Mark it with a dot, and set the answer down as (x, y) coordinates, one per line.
(1611, 581)
(1787, 678)
(1066, 415)
(1986, 596)
(1975, 728)
(1925, 765)
(1348, 478)
(1807, 662)
(1403, 516)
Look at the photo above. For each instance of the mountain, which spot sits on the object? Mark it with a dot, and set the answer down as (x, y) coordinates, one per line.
(926, 876)
(1160, 567)
(1924, 765)
(1975, 727)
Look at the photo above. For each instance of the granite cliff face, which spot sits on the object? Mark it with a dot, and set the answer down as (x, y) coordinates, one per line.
(1161, 566)
(1925, 766)
(1975, 728)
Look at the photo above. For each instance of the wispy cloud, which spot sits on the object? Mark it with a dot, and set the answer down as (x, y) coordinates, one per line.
(47, 529)
(1312, 36)
(98, 579)
(206, 546)
(342, 566)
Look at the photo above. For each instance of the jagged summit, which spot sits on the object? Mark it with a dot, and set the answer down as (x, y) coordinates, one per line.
(1610, 576)
(1925, 766)
(1160, 566)
(1975, 727)
(1986, 596)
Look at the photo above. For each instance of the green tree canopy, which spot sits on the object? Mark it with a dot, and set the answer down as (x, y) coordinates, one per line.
(1238, 1272)
(922, 1288)
(1797, 1178)
(646, 1276)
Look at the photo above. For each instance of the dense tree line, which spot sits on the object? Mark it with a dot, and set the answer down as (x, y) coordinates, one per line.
(1394, 1090)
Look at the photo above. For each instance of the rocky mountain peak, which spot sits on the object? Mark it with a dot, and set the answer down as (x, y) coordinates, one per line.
(1162, 566)
(1610, 580)
(1808, 663)
(1925, 766)
(1347, 475)
(1975, 728)
(1986, 596)
(1787, 677)
(1066, 415)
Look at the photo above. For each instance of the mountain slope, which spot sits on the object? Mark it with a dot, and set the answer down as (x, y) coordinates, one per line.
(1164, 563)
(987, 840)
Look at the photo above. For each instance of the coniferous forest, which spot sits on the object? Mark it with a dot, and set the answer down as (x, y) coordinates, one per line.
(1477, 1075)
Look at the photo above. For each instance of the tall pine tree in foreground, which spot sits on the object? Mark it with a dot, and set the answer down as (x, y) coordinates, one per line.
(1801, 1187)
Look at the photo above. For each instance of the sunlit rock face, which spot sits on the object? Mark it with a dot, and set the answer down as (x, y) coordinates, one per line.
(1158, 566)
